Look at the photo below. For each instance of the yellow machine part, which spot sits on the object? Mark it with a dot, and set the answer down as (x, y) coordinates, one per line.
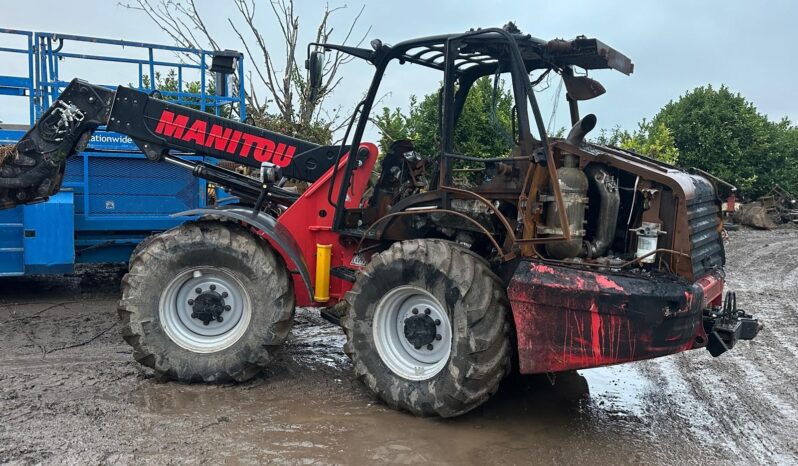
(323, 257)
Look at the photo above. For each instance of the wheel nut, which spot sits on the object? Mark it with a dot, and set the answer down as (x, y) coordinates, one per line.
(429, 347)
(206, 322)
(190, 302)
(198, 290)
(427, 311)
(224, 294)
(437, 321)
(438, 337)
(213, 287)
(227, 307)
(418, 347)
(219, 319)
(415, 311)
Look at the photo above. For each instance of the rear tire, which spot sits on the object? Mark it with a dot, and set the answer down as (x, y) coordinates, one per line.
(427, 328)
(206, 302)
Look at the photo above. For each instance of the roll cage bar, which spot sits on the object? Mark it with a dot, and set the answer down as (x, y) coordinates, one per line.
(464, 57)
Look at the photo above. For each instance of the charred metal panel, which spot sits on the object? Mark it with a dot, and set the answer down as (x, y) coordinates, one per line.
(703, 219)
(568, 318)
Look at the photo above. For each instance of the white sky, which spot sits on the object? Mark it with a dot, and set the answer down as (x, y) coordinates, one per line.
(676, 45)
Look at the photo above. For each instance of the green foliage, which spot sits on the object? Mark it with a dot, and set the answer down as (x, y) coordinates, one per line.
(483, 130)
(650, 139)
(712, 129)
(653, 140)
(612, 137)
(393, 126)
(723, 133)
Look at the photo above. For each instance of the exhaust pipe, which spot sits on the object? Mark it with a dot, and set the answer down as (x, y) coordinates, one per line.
(609, 203)
(580, 129)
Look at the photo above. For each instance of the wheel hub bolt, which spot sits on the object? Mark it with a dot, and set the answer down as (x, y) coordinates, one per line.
(190, 302)
(213, 287)
(418, 347)
(427, 311)
(198, 290)
(415, 311)
(437, 321)
(224, 294)
(219, 319)
(438, 337)
(226, 308)
(429, 347)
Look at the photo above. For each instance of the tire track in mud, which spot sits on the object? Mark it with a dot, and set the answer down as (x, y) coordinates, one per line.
(769, 286)
(94, 404)
(744, 402)
(676, 405)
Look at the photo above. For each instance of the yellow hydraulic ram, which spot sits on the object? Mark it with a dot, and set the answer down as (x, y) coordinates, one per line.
(323, 257)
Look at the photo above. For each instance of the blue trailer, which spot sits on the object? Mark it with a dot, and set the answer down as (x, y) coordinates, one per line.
(113, 197)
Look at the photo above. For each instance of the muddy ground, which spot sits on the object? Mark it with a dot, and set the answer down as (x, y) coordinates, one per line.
(70, 392)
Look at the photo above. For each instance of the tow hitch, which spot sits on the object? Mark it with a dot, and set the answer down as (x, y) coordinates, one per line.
(728, 325)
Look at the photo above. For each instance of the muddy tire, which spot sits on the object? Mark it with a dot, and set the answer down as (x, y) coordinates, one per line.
(206, 302)
(427, 328)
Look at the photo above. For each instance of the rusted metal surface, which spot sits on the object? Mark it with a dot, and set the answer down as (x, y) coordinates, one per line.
(567, 318)
(692, 201)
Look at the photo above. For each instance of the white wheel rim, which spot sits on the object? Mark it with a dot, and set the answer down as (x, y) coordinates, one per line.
(177, 309)
(413, 310)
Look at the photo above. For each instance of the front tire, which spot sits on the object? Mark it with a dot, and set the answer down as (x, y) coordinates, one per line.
(427, 328)
(206, 302)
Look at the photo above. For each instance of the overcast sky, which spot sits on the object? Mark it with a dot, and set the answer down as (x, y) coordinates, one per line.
(675, 45)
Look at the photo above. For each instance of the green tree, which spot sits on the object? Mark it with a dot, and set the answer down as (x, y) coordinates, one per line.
(723, 133)
(652, 139)
(483, 130)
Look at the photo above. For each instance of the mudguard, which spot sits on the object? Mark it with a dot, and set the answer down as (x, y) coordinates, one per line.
(275, 233)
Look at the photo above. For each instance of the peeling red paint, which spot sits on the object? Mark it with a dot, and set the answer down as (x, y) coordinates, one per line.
(606, 282)
(596, 331)
(542, 268)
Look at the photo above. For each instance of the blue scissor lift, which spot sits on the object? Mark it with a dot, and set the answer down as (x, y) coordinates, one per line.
(112, 197)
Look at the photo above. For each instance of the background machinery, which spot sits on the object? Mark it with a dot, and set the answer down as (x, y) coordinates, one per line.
(569, 254)
(112, 196)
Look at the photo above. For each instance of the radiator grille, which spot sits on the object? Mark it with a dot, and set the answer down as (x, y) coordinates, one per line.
(703, 214)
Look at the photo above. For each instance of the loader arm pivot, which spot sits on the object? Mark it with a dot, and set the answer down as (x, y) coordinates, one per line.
(32, 170)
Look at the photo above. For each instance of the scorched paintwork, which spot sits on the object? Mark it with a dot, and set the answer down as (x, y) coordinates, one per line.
(568, 318)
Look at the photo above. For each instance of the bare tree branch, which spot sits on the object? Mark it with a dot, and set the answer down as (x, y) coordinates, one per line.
(289, 100)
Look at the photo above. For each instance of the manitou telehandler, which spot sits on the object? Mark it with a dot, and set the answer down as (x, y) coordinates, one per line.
(567, 254)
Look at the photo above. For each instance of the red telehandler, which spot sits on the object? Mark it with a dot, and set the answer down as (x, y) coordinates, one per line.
(565, 253)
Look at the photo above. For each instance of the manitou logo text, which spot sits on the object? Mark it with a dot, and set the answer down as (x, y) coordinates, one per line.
(233, 142)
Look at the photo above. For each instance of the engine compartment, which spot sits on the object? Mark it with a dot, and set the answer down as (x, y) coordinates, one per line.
(621, 209)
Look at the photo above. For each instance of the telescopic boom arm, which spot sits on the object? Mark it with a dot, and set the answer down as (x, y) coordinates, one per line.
(33, 169)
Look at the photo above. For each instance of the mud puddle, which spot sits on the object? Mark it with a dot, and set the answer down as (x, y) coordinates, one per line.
(70, 393)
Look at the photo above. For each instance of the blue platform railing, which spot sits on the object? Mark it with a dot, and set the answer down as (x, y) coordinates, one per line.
(52, 51)
(21, 86)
